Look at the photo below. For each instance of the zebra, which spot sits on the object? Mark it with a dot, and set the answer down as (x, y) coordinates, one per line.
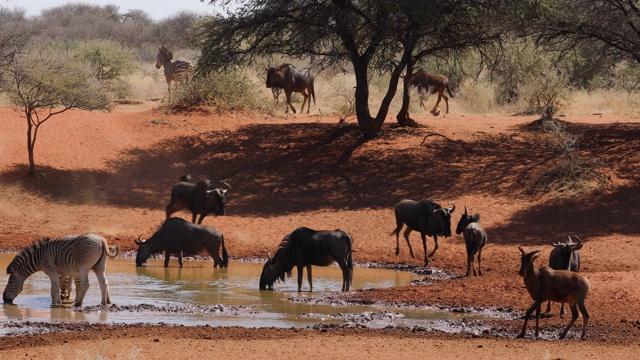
(71, 255)
(177, 70)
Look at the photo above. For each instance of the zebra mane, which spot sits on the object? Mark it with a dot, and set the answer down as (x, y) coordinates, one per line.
(27, 253)
(166, 53)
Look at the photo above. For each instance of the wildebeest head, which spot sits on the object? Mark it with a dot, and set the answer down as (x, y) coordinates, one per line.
(145, 250)
(465, 220)
(275, 77)
(270, 274)
(440, 220)
(563, 257)
(216, 198)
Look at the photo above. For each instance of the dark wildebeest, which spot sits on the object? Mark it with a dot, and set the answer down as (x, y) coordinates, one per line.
(425, 216)
(565, 256)
(178, 236)
(434, 83)
(475, 238)
(199, 198)
(545, 284)
(290, 79)
(306, 247)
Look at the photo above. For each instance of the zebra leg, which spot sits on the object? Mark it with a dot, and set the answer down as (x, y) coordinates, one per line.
(104, 287)
(55, 289)
(83, 286)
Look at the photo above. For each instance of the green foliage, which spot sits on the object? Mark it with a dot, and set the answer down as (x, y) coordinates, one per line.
(110, 62)
(230, 90)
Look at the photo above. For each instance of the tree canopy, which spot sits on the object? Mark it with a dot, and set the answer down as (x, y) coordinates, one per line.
(372, 36)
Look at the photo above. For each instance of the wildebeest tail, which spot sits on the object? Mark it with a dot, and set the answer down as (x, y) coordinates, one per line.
(313, 93)
(225, 255)
(449, 91)
(350, 260)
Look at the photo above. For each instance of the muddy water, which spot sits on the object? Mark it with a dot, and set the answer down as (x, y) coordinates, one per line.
(198, 294)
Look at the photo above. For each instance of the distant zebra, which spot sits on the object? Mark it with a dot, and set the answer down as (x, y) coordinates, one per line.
(72, 255)
(177, 70)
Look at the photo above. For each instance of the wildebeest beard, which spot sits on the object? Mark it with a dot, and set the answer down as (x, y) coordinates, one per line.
(277, 267)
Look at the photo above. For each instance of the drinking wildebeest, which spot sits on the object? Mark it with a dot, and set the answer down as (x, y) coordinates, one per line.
(425, 216)
(475, 238)
(199, 198)
(306, 247)
(72, 255)
(545, 284)
(178, 236)
(290, 79)
(565, 256)
(436, 83)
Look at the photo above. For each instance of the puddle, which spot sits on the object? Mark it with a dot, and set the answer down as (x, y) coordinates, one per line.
(200, 295)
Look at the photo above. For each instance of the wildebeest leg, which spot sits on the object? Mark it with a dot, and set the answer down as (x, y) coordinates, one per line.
(309, 278)
(446, 101)
(200, 219)
(300, 270)
(305, 97)
(424, 247)
(548, 306)
(399, 225)
(167, 255)
(346, 274)
(55, 289)
(288, 94)
(179, 258)
(435, 239)
(479, 262)
(562, 310)
(407, 231)
(440, 94)
(469, 265)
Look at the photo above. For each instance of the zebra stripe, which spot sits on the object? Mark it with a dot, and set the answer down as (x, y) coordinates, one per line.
(175, 71)
(72, 255)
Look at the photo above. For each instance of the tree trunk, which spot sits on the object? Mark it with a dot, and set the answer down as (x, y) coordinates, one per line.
(365, 121)
(403, 115)
(30, 145)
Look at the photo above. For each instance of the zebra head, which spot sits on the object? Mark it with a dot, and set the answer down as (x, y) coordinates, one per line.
(14, 285)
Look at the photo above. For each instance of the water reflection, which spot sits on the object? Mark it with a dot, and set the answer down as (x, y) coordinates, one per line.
(196, 283)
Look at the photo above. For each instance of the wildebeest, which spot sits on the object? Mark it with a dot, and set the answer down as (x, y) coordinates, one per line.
(306, 247)
(72, 255)
(545, 284)
(290, 79)
(178, 236)
(475, 238)
(426, 81)
(175, 71)
(565, 256)
(199, 198)
(425, 216)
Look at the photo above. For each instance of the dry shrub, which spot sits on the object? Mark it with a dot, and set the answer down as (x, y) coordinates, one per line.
(571, 174)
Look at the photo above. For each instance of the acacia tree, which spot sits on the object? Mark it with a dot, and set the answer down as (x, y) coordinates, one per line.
(42, 83)
(378, 35)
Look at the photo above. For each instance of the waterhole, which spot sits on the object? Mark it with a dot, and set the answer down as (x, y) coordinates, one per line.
(198, 294)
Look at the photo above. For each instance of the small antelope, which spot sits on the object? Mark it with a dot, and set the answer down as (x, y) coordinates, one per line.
(545, 283)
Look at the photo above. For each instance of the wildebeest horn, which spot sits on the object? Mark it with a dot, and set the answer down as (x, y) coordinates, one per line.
(269, 255)
(138, 242)
(465, 210)
(227, 185)
(521, 249)
(579, 240)
(453, 208)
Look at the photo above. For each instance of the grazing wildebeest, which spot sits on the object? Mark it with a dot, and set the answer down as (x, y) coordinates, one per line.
(436, 83)
(178, 236)
(425, 216)
(199, 198)
(475, 238)
(175, 71)
(545, 284)
(290, 79)
(306, 247)
(565, 256)
(72, 255)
